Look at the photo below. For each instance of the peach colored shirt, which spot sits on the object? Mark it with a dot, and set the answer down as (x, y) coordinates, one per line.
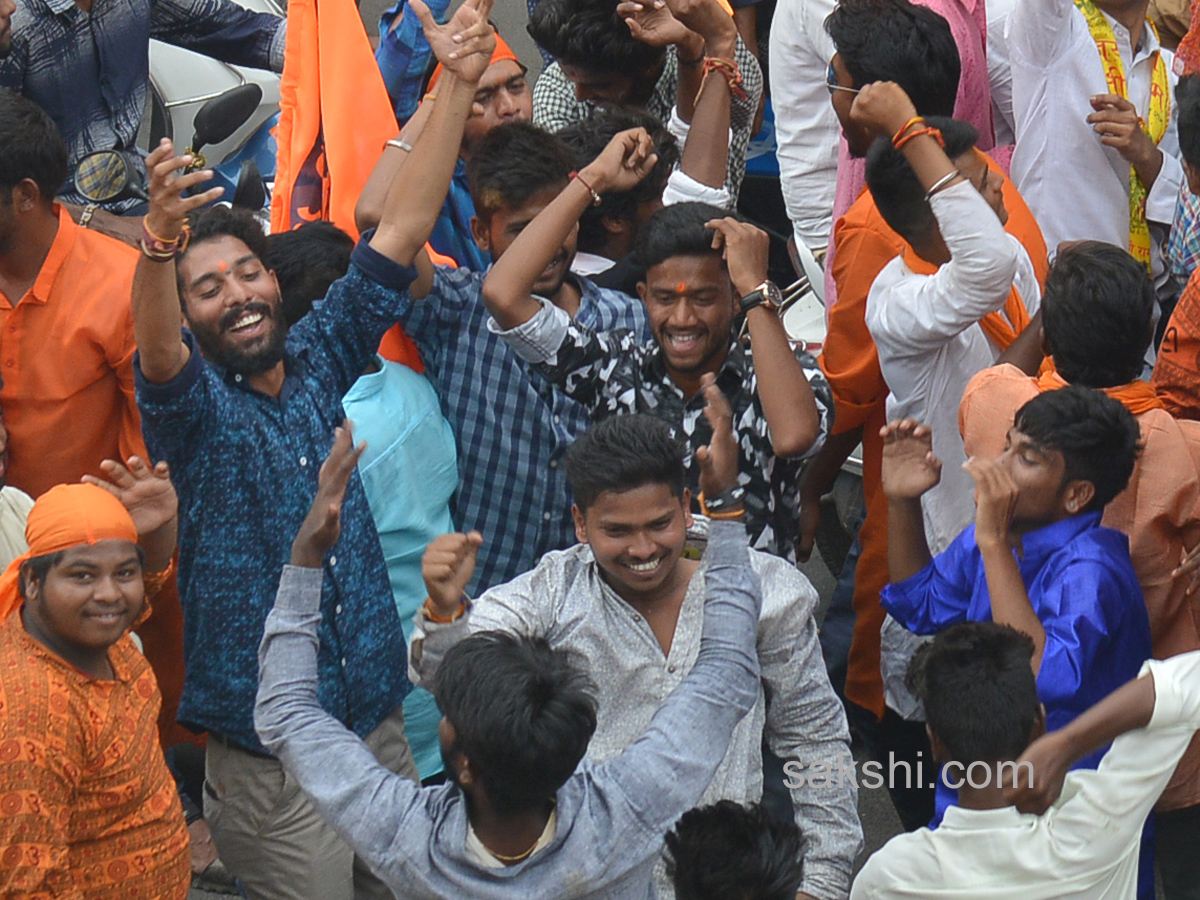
(1159, 511)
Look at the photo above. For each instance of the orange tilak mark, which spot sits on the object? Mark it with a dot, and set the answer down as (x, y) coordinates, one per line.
(223, 266)
(681, 287)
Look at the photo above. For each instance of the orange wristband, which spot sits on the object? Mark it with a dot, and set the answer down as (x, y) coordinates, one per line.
(436, 618)
(915, 120)
(921, 132)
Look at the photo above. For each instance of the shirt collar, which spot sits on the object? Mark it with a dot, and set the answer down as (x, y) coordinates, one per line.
(59, 7)
(958, 819)
(60, 250)
(295, 359)
(1052, 538)
(730, 379)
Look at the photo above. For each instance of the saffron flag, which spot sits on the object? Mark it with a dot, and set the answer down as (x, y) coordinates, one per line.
(334, 118)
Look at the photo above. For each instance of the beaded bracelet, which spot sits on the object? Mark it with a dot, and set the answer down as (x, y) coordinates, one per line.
(596, 198)
(729, 69)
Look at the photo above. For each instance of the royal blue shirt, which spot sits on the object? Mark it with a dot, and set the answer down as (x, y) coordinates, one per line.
(245, 465)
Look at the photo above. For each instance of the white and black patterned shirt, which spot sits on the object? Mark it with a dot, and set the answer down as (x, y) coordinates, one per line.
(617, 372)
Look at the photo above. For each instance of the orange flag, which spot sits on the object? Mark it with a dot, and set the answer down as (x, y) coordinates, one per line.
(334, 118)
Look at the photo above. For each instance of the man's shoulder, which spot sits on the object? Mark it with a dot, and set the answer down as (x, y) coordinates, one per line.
(786, 590)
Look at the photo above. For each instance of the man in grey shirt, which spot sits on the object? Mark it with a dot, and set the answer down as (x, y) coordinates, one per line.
(628, 603)
(505, 826)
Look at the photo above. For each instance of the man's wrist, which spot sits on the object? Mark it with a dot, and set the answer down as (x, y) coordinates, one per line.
(304, 556)
(690, 48)
(593, 179)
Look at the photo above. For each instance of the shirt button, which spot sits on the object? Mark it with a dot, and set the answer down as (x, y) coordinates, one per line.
(557, 419)
(333, 560)
(237, 378)
(303, 461)
(554, 463)
(546, 516)
(9, 364)
(636, 617)
(343, 662)
(12, 327)
(338, 609)
(671, 669)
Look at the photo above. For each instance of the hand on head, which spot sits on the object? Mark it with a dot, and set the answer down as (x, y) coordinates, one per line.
(909, 466)
(146, 492)
(652, 22)
(719, 460)
(447, 567)
(169, 207)
(746, 250)
(882, 108)
(323, 524)
(464, 45)
(626, 160)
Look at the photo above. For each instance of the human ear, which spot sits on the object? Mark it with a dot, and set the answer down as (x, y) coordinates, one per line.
(481, 233)
(1077, 495)
(581, 533)
(686, 500)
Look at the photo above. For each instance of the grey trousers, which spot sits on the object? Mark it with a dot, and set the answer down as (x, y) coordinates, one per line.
(271, 837)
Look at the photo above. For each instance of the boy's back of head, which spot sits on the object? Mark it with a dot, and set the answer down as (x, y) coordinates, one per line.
(894, 40)
(894, 185)
(589, 34)
(1097, 436)
(1097, 314)
(622, 453)
(522, 713)
(513, 163)
(980, 694)
(307, 260)
(731, 852)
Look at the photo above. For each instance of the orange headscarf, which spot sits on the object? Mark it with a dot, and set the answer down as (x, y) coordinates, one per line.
(1137, 396)
(501, 53)
(66, 516)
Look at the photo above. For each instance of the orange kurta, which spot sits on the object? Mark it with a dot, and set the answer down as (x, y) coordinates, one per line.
(88, 810)
(66, 359)
(1177, 370)
(1159, 511)
(864, 245)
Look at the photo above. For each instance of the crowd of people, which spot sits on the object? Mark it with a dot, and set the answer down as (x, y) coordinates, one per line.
(291, 613)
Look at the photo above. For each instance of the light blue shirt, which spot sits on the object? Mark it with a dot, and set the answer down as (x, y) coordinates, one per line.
(409, 471)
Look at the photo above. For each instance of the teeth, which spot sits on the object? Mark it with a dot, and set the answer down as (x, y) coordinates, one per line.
(247, 321)
(644, 567)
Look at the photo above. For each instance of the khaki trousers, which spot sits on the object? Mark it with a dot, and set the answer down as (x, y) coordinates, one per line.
(270, 835)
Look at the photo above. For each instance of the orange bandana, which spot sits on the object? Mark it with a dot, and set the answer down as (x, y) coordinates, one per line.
(1138, 396)
(66, 516)
(501, 53)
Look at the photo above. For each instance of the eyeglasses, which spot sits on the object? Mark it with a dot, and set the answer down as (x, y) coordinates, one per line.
(831, 82)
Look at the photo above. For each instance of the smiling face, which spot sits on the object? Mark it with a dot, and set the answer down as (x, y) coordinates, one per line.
(232, 305)
(689, 302)
(495, 234)
(87, 601)
(637, 537)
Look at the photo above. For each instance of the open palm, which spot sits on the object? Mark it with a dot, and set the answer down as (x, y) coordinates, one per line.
(909, 466)
(652, 23)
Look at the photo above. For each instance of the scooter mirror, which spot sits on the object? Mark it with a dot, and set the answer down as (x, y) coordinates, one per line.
(221, 116)
(251, 190)
(105, 176)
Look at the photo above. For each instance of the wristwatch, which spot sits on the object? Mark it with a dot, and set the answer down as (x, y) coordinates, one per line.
(766, 295)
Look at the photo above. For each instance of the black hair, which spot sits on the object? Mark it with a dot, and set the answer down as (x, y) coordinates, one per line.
(38, 567)
(590, 34)
(31, 146)
(513, 162)
(523, 714)
(307, 260)
(894, 40)
(1097, 436)
(589, 137)
(980, 694)
(678, 230)
(1187, 103)
(622, 453)
(895, 187)
(732, 852)
(1097, 314)
(225, 221)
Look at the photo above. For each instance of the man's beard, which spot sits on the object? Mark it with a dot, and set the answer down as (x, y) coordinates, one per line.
(262, 359)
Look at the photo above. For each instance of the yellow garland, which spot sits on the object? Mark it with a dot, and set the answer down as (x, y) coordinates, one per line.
(1156, 119)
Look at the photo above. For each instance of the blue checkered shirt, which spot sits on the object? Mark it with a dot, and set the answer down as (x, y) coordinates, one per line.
(245, 466)
(512, 427)
(90, 71)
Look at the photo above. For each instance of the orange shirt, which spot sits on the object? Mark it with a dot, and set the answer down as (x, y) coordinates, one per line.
(1177, 370)
(864, 245)
(88, 810)
(1159, 511)
(66, 360)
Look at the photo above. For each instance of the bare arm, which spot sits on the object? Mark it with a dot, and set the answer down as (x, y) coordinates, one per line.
(464, 47)
(508, 287)
(156, 310)
(369, 209)
(909, 470)
(1026, 351)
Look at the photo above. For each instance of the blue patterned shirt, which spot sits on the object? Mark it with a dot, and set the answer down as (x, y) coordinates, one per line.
(511, 425)
(90, 71)
(245, 466)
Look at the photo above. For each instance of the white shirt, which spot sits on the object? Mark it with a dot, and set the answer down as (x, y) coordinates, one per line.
(926, 330)
(1077, 188)
(1085, 847)
(806, 128)
(999, 70)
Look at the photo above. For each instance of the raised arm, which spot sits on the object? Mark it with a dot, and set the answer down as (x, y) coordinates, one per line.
(161, 352)
(150, 497)
(787, 399)
(367, 804)
(221, 29)
(464, 47)
(909, 470)
(508, 287)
